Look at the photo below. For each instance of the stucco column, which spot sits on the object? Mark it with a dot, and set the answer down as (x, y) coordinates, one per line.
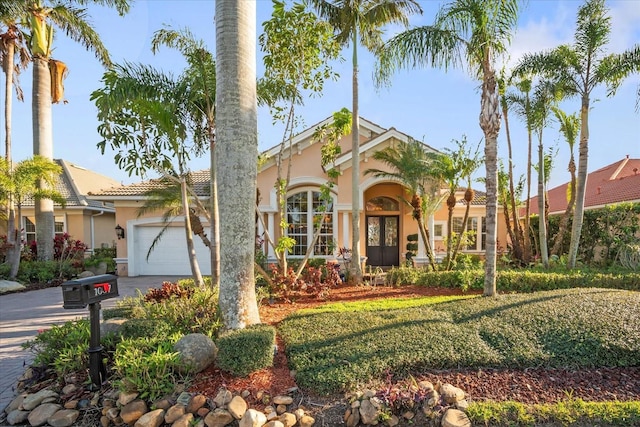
(345, 229)
(271, 229)
(432, 230)
(422, 253)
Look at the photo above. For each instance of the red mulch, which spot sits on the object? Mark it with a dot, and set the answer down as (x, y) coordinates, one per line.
(536, 385)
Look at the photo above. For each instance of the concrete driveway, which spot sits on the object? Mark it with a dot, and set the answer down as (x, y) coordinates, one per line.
(22, 315)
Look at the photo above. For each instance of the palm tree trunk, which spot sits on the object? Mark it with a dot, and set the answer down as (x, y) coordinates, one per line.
(215, 225)
(356, 271)
(424, 233)
(490, 125)
(516, 241)
(43, 146)
(193, 260)
(237, 138)
(583, 155)
(564, 221)
(459, 240)
(527, 218)
(542, 223)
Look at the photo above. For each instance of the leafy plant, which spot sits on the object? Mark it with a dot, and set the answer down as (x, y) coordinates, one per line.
(247, 350)
(166, 291)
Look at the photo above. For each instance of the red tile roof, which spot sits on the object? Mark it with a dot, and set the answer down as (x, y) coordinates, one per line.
(616, 183)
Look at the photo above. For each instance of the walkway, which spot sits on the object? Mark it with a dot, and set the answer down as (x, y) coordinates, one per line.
(23, 314)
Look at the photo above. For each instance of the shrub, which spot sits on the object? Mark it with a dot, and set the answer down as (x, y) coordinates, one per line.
(140, 328)
(244, 351)
(167, 291)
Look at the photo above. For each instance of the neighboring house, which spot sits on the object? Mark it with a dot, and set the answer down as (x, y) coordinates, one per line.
(618, 182)
(90, 221)
(385, 220)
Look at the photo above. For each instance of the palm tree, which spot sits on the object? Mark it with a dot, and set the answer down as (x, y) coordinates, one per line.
(236, 137)
(201, 80)
(581, 68)
(410, 166)
(360, 21)
(472, 33)
(40, 20)
(21, 182)
(569, 126)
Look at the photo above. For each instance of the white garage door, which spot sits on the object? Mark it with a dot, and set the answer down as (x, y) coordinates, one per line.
(169, 255)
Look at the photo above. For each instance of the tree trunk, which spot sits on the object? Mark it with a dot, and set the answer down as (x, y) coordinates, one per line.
(564, 221)
(583, 156)
(542, 223)
(356, 271)
(215, 224)
(193, 260)
(43, 146)
(527, 219)
(237, 144)
(490, 125)
(456, 249)
(517, 238)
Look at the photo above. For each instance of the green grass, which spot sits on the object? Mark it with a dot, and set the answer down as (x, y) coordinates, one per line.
(342, 346)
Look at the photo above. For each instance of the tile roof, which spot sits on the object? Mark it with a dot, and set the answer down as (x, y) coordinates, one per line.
(616, 183)
(75, 182)
(201, 185)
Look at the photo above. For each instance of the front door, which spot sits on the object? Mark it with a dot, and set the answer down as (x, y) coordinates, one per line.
(382, 241)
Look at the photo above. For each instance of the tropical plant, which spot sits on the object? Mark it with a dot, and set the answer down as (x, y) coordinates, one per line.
(21, 181)
(471, 33)
(360, 22)
(41, 16)
(237, 137)
(410, 166)
(580, 68)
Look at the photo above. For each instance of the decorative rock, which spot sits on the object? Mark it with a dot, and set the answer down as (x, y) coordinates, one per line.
(83, 403)
(104, 421)
(283, 400)
(16, 417)
(69, 388)
(202, 412)
(196, 402)
(196, 352)
(355, 404)
(455, 418)
(132, 411)
(434, 399)
(113, 394)
(462, 405)
(95, 399)
(409, 415)
(223, 398)
(85, 274)
(393, 421)
(274, 423)
(288, 419)
(108, 403)
(184, 398)
(72, 404)
(9, 285)
(112, 413)
(253, 418)
(368, 394)
(41, 414)
(218, 418)
(307, 421)
(162, 404)
(368, 413)
(173, 413)
(271, 415)
(150, 419)
(299, 413)
(237, 407)
(15, 404)
(281, 409)
(245, 394)
(352, 417)
(63, 418)
(49, 400)
(126, 398)
(184, 421)
(451, 394)
(33, 400)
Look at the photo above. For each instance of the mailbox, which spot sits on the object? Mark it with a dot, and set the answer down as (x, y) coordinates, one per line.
(80, 292)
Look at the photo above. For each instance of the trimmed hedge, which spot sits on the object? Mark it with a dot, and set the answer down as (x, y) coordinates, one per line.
(244, 351)
(515, 280)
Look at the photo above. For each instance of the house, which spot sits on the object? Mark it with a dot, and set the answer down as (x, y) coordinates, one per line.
(618, 182)
(90, 221)
(386, 222)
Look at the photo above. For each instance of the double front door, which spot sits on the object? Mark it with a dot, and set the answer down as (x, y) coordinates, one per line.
(382, 241)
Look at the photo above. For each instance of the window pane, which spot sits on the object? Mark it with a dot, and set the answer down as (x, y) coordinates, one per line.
(382, 204)
(29, 226)
(437, 230)
(373, 231)
(59, 227)
(391, 231)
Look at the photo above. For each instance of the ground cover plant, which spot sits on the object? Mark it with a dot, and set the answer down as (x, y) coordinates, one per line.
(576, 328)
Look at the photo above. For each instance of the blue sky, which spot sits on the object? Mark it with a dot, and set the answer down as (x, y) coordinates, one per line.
(431, 105)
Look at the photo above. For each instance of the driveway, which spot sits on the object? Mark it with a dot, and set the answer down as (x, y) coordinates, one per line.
(22, 315)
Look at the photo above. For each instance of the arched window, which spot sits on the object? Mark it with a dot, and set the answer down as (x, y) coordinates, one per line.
(382, 203)
(303, 210)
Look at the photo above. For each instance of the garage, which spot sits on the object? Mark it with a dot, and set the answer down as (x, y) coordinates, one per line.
(169, 257)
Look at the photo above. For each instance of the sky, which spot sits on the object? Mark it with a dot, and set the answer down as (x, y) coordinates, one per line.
(431, 105)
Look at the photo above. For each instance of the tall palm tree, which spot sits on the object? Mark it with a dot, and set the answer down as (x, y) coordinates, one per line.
(410, 166)
(201, 80)
(471, 33)
(580, 68)
(237, 138)
(41, 19)
(354, 22)
(569, 126)
(21, 182)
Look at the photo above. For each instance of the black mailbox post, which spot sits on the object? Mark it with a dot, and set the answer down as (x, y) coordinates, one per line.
(90, 291)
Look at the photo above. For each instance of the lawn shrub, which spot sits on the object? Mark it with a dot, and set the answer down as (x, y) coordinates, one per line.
(563, 328)
(247, 350)
(569, 412)
(140, 328)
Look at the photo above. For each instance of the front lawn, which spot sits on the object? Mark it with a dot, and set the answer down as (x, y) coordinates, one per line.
(339, 348)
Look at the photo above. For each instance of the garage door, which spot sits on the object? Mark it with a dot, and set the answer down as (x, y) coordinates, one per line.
(169, 255)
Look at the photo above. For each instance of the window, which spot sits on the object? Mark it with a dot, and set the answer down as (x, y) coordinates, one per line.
(30, 228)
(472, 231)
(304, 211)
(382, 204)
(439, 230)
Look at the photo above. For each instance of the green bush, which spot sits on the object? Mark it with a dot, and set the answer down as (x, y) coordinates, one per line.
(244, 351)
(5, 269)
(141, 328)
